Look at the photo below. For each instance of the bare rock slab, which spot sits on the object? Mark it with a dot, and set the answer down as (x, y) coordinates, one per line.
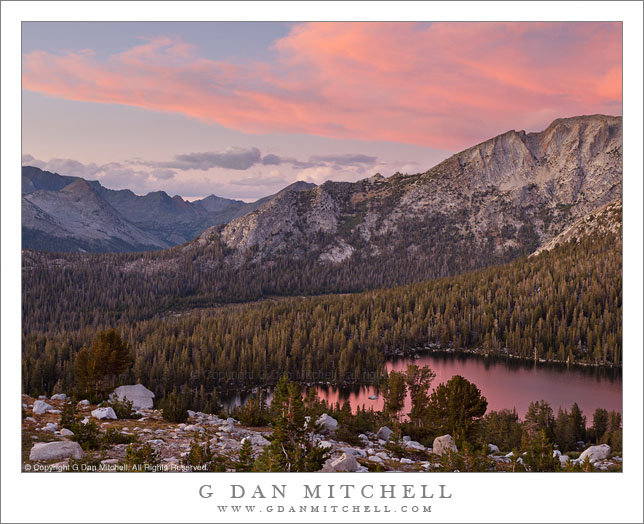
(140, 396)
(56, 450)
(595, 453)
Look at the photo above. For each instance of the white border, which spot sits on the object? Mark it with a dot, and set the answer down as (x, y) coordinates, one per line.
(173, 497)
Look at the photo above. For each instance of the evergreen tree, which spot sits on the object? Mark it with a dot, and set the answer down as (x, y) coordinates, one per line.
(578, 423)
(564, 431)
(539, 455)
(175, 407)
(245, 459)
(539, 418)
(418, 382)
(503, 429)
(394, 395)
(202, 457)
(97, 368)
(291, 447)
(600, 425)
(253, 412)
(455, 408)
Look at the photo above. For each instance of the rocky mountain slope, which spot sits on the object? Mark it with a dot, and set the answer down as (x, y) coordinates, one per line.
(76, 218)
(106, 220)
(503, 197)
(607, 219)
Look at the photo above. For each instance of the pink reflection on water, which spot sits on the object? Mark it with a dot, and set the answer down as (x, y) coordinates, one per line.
(504, 385)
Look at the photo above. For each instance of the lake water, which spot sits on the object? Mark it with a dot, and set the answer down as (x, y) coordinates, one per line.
(505, 384)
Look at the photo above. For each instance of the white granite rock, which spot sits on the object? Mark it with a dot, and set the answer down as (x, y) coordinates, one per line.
(56, 450)
(84, 402)
(444, 444)
(493, 448)
(384, 433)
(50, 426)
(104, 413)
(595, 453)
(140, 396)
(256, 440)
(59, 396)
(66, 432)
(327, 422)
(345, 462)
(412, 444)
(41, 407)
(356, 452)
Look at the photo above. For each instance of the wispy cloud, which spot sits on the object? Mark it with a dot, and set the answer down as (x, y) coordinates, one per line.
(344, 160)
(240, 159)
(234, 158)
(441, 85)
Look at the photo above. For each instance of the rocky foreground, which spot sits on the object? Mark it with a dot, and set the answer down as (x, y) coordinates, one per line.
(48, 447)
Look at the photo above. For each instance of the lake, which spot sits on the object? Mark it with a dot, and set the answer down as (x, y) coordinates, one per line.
(504, 383)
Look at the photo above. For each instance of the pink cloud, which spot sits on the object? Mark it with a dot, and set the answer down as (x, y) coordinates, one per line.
(444, 85)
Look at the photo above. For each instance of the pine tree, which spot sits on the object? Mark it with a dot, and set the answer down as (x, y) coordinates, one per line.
(97, 368)
(394, 395)
(245, 459)
(175, 407)
(578, 423)
(564, 431)
(600, 425)
(455, 408)
(291, 447)
(418, 382)
(539, 417)
(539, 455)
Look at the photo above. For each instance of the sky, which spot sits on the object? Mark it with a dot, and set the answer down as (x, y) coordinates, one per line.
(243, 109)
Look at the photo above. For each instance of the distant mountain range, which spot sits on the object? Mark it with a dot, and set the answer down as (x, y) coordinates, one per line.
(499, 199)
(64, 213)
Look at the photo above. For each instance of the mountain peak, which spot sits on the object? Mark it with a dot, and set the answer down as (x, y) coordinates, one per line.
(503, 197)
(300, 185)
(78, 186)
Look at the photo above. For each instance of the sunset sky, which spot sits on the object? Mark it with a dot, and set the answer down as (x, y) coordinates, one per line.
(243, 109)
